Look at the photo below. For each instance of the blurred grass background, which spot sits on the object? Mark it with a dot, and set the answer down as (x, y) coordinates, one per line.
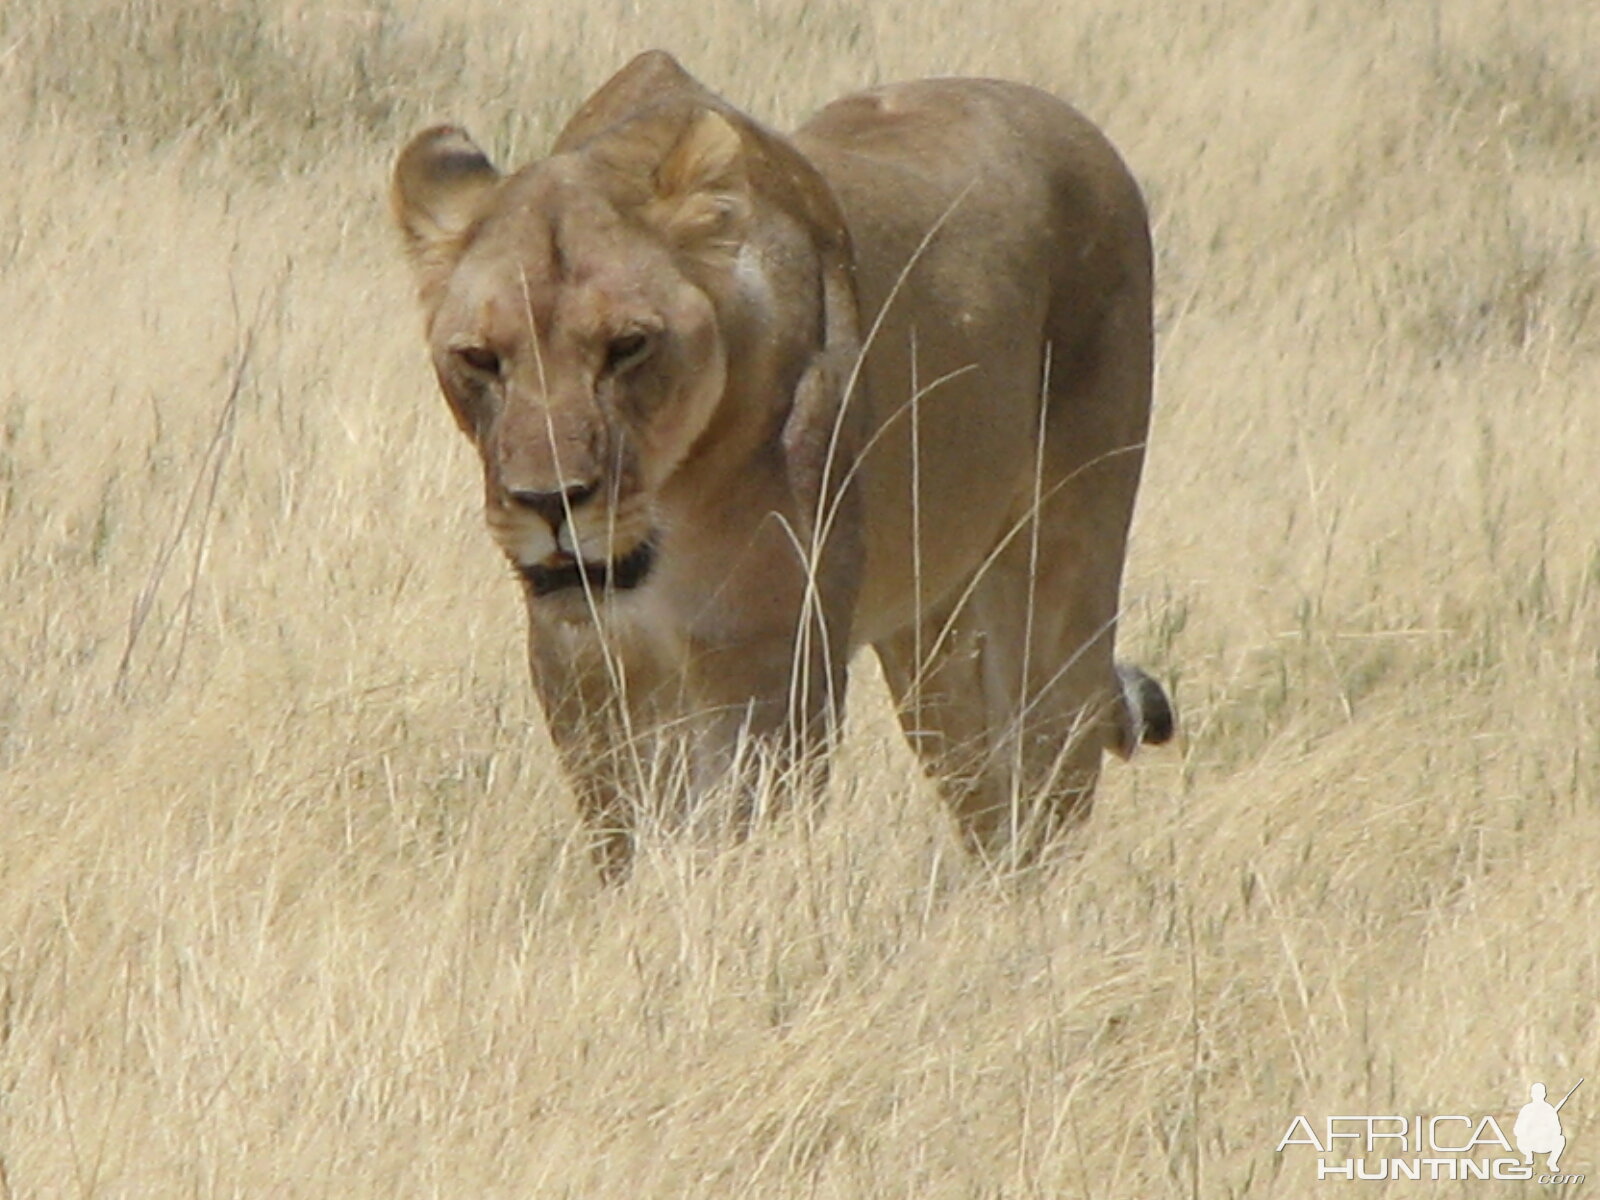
(290, 897)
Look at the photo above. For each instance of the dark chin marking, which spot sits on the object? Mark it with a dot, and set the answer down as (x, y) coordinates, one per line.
(618, 575)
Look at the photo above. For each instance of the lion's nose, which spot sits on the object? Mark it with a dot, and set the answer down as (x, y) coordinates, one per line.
(553, 506)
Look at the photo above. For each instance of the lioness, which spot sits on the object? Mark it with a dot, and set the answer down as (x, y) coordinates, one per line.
(747, 402)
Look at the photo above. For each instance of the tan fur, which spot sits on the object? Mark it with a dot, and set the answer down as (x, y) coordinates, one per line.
(655, 336)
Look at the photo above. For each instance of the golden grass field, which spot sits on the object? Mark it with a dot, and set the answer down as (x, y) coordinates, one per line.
(292, 899)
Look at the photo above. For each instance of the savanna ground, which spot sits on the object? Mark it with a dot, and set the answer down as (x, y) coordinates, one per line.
(291, 897)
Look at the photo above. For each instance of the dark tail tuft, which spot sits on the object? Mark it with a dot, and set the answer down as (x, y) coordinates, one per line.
(1151, 719)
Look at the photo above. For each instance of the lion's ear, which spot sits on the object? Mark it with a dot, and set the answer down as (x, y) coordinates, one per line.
(701, 194)
(440, 181)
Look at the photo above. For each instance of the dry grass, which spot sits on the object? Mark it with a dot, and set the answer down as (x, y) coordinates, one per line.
(290, 902)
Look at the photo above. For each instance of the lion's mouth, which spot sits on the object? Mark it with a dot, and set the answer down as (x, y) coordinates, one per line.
(562, 571)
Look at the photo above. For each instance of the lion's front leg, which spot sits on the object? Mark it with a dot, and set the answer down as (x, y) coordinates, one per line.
(596, 700)
(770, 711)
(739, 737)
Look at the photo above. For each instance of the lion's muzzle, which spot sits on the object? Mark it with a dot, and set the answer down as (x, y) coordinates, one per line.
(543, 533)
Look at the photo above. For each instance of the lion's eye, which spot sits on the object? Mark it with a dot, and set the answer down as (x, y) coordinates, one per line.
(481, 359)
(628, 350)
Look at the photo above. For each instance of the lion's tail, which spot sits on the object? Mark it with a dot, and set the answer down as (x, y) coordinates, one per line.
(1150, 718)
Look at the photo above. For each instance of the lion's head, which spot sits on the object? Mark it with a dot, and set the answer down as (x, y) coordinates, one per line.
(574, 314)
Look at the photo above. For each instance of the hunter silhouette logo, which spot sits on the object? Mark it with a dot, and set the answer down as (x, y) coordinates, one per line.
(1538, 1127)
(1393, 1147)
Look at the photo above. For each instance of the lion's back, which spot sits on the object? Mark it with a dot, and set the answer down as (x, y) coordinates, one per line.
(974, 207)
(1006, 164)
